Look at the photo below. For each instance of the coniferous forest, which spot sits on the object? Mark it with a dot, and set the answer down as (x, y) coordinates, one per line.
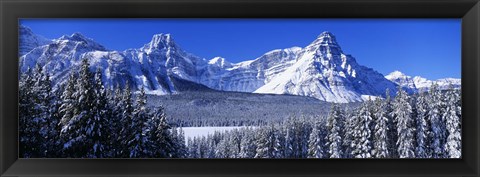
(82, 119)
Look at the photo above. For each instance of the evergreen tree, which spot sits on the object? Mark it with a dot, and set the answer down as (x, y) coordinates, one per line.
(391, 124)
(36, 104)
(247, 144)
(66, 111)
(126, 120)
(334, 139)
(52, 137)
(137, 140)
(380, 136)
(26, 125)
(235, 143)
(224, 148)
(361, 144)
(405, 131)
(423, 127)
(438, 135)
(180, 149)
(266, 142)
(116, 122)
(316, 142)
(101, 118)
(79, 129)
(453, 146)
(348, 133)
(295, 144)
(192, 148)
(161, 136)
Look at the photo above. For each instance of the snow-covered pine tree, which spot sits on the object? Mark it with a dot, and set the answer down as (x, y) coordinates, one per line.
(192, 147)
(423, 126)
(53, 136)
(266, 142)
(380, 132)
(178, 137)
(405, 131)
(137, 140)
(126, 120)
(334, 139)
(203, 148)
(247, 144)
(68, 102)
(453, 146)
(290, 144)
(66, 111)
(348, 133)
(79, 130)
(41, 98)
(438, 135)
(391, 124)
(28, 128)
(163, 145)
(304, 135)
(115, 122)
(235, 143)
(361, 144)
(101, 118)
(316, 141)
(224, 148)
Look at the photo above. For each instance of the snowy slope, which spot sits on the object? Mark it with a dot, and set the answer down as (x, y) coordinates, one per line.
(249, 75)
(323, 71)
(29, 40)
(418, 84)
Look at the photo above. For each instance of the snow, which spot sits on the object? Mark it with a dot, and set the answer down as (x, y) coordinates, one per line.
(191, 132)
(371, 97)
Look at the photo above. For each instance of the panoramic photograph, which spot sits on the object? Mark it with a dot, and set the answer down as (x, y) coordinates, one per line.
(240, 88)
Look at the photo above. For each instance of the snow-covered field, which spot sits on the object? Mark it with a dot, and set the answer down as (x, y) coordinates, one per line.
(191, 132)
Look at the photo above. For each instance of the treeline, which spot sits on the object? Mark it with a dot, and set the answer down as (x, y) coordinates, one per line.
(425, 125)
(81, 119)
(218, 122)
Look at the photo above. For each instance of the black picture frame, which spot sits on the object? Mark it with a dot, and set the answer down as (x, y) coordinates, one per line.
(12, 10)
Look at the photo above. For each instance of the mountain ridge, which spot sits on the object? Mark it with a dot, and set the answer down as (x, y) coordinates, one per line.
(419, 84)
(320, 70)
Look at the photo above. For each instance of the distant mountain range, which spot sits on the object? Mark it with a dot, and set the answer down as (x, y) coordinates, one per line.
(320, 70)
(419, 84)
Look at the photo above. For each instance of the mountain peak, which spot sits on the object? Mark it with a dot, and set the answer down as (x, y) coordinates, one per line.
(160, 41)
(220, 62)
(29, 40)
(162, 37)
(25, 29)
(80, 38)
(326, 38)
(326, 34)
(325, 43)
(76, 37)
(395, 75)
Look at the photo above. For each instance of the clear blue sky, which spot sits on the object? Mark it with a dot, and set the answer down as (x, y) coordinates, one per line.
(425, 47)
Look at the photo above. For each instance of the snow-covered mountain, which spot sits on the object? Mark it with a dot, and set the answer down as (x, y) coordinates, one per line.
(29, 40)
(323, 71)
(320, 70)
(418, 84)
(249, 75)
